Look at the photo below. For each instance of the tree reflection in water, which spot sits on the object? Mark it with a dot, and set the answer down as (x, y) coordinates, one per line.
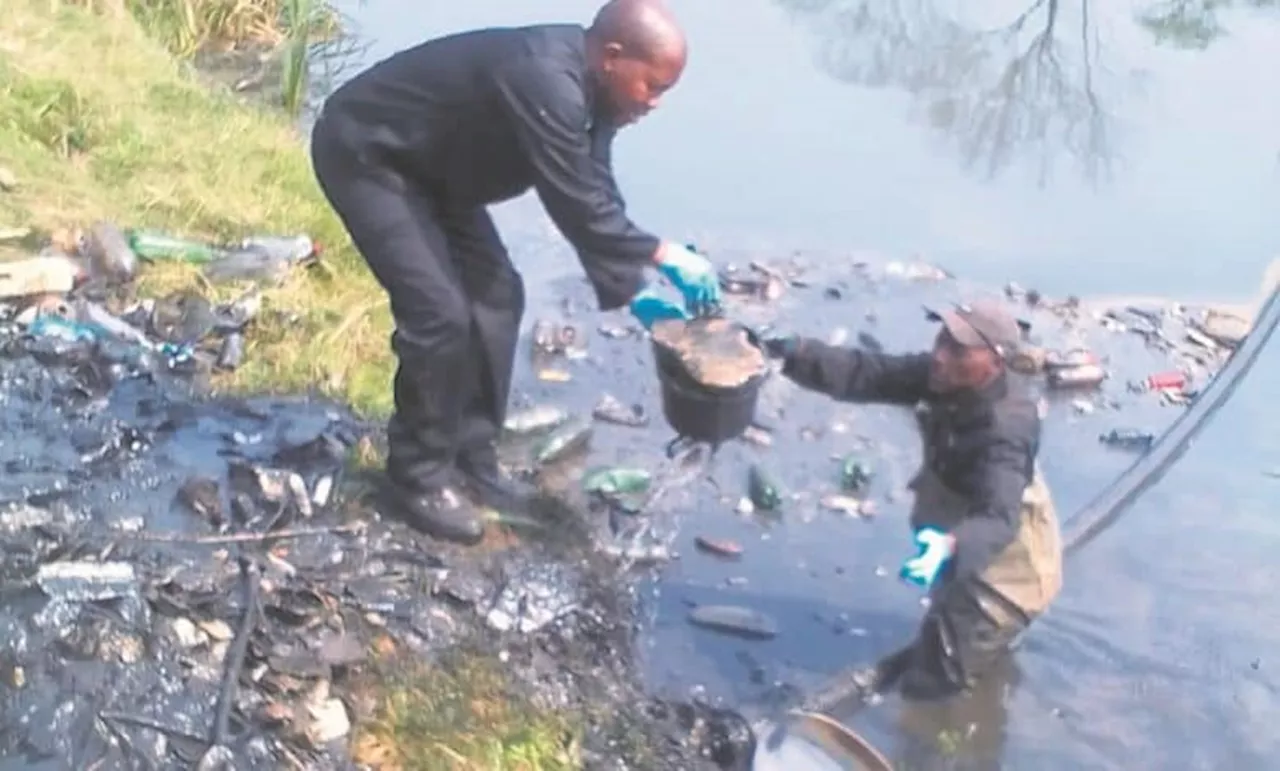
(1194, 24)
(1027, 84)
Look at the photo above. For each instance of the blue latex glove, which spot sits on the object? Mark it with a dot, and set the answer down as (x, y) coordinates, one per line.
(935, 550)
(648, 307)
(693, 275)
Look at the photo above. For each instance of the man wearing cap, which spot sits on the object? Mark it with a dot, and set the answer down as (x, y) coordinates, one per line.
(989, 546)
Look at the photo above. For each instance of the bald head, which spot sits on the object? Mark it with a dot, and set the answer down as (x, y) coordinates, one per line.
(644, 28)
(637, 52)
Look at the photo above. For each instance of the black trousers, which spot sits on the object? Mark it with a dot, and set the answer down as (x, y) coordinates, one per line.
(457, 302)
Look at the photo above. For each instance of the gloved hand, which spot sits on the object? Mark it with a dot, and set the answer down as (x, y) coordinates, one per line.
(936, 548)
(648, 307)
(693, 275)
(774, 346)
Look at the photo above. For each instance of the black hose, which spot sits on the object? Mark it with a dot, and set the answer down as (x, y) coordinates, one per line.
(236, 654)
(1107, 506)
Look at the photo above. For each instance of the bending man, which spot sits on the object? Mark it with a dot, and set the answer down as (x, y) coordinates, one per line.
(990, 548)
(410, 153)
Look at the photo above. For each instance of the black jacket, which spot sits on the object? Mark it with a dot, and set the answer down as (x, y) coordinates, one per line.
(982, 445)
(480, 117)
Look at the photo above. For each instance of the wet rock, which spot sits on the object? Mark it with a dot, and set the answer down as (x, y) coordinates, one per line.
(736, 621)
(465, 587)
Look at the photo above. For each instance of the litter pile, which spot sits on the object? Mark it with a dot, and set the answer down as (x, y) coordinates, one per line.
(199, 583)
(78, 286)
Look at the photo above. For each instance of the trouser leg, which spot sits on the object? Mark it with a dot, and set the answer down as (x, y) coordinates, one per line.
(495, 292)
(965, 632)
(395, 227)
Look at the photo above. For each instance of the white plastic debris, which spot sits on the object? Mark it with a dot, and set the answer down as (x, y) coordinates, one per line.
(86, 581)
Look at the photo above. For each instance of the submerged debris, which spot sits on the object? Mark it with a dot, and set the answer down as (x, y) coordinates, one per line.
(730, 619)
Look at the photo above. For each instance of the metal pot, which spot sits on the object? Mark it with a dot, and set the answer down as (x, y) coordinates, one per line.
(815, 742)
(701, 413)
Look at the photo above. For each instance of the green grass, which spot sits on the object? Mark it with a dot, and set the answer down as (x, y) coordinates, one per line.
(98, 120)
(461, 715)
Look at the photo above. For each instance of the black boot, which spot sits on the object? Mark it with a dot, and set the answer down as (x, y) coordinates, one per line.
(440, 512)
(493, 488)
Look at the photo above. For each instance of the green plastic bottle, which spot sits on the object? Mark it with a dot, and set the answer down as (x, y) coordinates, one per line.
(763, 491)
(154, 245)
(854, 474)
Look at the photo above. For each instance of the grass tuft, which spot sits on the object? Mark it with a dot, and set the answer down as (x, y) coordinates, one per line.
(461, 715)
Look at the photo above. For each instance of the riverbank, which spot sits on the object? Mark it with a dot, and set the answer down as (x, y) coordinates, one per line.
(139, 139)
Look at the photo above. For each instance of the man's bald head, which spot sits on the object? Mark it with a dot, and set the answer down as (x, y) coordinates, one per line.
(644, 28)
(637, 52)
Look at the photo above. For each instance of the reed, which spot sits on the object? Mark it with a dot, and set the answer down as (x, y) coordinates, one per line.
(304, 22)
(289, 28)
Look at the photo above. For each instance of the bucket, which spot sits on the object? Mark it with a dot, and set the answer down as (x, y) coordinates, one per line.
(702, 413)
(810, 741)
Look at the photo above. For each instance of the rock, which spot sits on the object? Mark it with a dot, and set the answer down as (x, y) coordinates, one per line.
(186, 634)
(340, 650)
(217, 629)
(327, 721)
(8, 180)
(733, 620)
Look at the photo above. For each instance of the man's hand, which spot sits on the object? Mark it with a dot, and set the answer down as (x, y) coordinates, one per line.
(936, 547)
(648, 308)
(693, 275)
(774, 346)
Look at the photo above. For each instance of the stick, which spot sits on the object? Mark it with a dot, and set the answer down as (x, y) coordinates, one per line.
(300, 532)
(235, 657)
(146, 722)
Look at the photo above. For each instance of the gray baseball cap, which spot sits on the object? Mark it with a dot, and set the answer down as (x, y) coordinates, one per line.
(980, 324)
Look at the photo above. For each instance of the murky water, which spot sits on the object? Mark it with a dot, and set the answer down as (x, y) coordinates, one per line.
(1116, 164)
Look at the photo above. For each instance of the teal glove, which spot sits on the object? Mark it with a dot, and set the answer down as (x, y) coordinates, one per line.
(693, 275)
(648, 307)
(935, 550)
